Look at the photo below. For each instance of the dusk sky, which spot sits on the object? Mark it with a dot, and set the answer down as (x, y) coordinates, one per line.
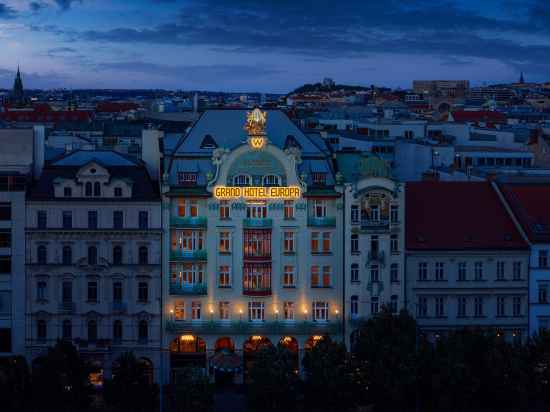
(270, 45)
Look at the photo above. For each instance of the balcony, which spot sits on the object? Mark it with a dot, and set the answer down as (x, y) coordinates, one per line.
(223, 328)
(189, 222)
(321, 221)
(249, 223)
(118, 307)
(375, 224)
(184, 290)
(376, 256)
(67, 307)
(183, 255)
(257, 291)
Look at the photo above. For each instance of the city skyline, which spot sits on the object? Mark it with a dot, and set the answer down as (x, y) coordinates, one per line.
(250, 46)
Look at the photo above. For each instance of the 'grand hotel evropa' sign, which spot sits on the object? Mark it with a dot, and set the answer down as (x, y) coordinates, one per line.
(255, 126)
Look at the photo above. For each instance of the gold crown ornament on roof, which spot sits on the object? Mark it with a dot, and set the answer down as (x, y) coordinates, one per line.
(255, 122)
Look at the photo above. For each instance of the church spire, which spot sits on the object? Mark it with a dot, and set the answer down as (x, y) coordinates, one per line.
(18, 93)
(521, 79)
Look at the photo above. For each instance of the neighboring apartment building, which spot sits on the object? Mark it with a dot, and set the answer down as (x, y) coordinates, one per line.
(254, 251)
(467, 263)
(528, 200)
(441, 88)
(93, 238)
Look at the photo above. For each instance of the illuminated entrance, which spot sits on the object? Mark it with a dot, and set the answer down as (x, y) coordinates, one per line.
(291, 344)
(225, 363)
(187, 352)
(251, 348)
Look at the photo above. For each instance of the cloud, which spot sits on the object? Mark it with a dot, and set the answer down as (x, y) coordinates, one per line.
(66, 4)
(33, 80)
(6, 12)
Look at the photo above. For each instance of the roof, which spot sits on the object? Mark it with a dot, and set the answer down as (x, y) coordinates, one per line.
(529, 203)
(104, 157)
(475, 116)
(465, 216)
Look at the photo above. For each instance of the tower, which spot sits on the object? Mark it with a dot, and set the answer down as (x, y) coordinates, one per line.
(18, 94)
(521, 79)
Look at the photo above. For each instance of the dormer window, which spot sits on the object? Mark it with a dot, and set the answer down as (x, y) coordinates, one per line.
(319, 179)
(97, 189)
(241, 180)
(67, 191)
(187, 178)
(88, 189)
(208, 142)
(271, 181)
(118, 192)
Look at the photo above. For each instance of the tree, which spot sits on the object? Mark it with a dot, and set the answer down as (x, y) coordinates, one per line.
(14, 384)
(130, 389)
(192, 391)
(274, 384)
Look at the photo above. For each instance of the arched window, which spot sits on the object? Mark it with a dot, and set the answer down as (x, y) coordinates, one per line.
(117, 255)
(271, 180)
(143, 255)
(117, 330)
(42, 254)
(67, 255)
(92, 255)
(67, 330)
(88, 189)
(97, 189)
(241, 180)
(354, 306)
(41, 329)
(143, 330)
(92, 330)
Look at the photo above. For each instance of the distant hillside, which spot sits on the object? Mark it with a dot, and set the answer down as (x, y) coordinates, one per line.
(319, 87)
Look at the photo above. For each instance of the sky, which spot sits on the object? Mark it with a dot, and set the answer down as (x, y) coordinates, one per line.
(270, 45)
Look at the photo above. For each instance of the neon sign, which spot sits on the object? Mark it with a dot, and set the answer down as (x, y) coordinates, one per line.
(257, 192)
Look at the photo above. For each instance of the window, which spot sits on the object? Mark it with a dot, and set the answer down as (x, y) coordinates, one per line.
(195, 310)
(439, 271)
(321, 280)
(354, 306)
(422, 307)
(67, 257)
(241, 180)
(188, 208)
(462, 271)
(117, 255)
(354, 272)
(5, 302)
(461, 307)
(225, 210)
(67, 291)
(117, 330)
(92, 331)
(355, 214)
(143, 292)
(374, 273)
(543, 258)
(320, 311)
(187, 178)
(41, 290)
(41, 330)
(543, 293)
(516, 305)
(288, 242)
(92, 219)
(257, 277)
(288, 209)
(501, 306)
(117, 292)
(5, 211)
(143, 219)
(187, 275)
(319, 179)
(5, 264)
(256, 311)
(41, 219)
(187, 240)
(179, 310)
(394, 273)
(92, 255)
(319, 208)
(271, 181)
(224, 277)
(288, 276)
(67, 191)
(393, 303)
(315, 242)
(394, 244)
(375, 213)
(374, 307)
(478, 271)
(517, 271)
(118, 219)
(355, 243)
(97, 189)
(224, 311)
(88, 189)
(67, 330)
(500, 270)
(143, 330)
(422, 271)
(394, 213)
(225, 242)
(118, 192)
(288, 310)
(439, 307)
(92, 291)
(143, 255)
(478, 306)
(67, 219)
(42, 255)
(256, 211)
(326, 242)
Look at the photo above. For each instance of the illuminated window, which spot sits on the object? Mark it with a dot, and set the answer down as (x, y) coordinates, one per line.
(225, 210)
(224, 277)
(257, 243)
(289, 209)
(187, 274)
(320, 311)
(195, 310)
(288, 310)
(315, 242)
(288, 276)
(288, 242)
(315, 276)
(179, 310)
(224, 310)
(257, 277)
(225, 242)
(326, 242)
(256, 311)
(327, 276)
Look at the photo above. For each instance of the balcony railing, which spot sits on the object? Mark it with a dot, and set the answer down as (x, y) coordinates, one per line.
(321, 221)
(257, 291)
(376, 256)
(195, 221)
(375, 224)
(298, 327)
(67, 307)
(188, 255)
(250, 223)
(182, 290)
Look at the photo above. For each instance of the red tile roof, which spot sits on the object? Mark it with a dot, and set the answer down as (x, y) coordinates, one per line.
(471, 116)
(529, 203)
(457, 216)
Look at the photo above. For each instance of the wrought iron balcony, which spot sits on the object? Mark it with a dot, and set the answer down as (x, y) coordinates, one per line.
(189, 222)
(321, 221)
(182, 290)
(67, 307)
(375, 224)
(250, 223)
(188, 255)
(213, 327)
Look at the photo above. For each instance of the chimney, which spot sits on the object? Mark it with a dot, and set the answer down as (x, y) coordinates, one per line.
(38, 150)
(150, 151)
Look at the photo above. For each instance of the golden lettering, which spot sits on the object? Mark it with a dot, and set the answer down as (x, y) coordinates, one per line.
(257, 192)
